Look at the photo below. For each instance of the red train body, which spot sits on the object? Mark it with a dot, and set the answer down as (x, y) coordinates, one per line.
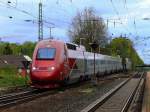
(55, 62)
(47, 68)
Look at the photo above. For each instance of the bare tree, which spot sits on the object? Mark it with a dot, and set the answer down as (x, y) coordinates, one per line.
(86, 25)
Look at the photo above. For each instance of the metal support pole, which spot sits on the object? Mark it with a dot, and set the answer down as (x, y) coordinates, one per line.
(50, 33)
(40, 23)
(94, 66)
(94, 45)
(50, 29)
(94, 75)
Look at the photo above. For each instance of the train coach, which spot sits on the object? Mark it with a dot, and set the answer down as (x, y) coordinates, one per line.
(55, 62)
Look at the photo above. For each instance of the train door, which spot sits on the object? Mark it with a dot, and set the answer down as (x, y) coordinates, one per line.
(66, 63)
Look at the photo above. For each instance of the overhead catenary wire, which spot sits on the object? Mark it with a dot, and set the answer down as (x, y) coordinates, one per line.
(63, 9)
(63, 21)
(35, 20)
(30, 14)
(136, 28)
(26, 12)
(134, 24)
(45, 21)
(134, 21)
(117, 13)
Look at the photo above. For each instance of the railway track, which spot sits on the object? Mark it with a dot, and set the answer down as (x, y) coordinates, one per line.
(119, 98)
(12, 99)
(22, 97)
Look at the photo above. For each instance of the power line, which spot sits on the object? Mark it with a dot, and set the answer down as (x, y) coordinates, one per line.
(62, 9)
(58, 20)
(135, 27)
(117, 13)
(26, 12)
(134, 23)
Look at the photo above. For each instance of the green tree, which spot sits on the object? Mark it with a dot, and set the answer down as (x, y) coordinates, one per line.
(124, 48)
(7, 50)
(16, 48)
(27, 48)
(2, 46)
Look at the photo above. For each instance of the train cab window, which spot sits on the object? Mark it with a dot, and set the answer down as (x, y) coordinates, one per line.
(46, 53)
(71, 46)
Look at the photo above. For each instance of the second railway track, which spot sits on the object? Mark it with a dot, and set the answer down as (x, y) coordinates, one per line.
(21, 97)
(119, 98)
(12, 99)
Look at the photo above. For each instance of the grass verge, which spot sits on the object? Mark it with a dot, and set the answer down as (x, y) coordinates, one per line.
(9, 78)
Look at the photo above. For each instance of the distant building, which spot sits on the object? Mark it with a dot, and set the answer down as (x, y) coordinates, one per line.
(20, 62)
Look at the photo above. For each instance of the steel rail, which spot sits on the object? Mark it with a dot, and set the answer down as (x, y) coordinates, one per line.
(126, 106)
(25, 96)
(22, 97)
(96, 104)
(6, 96)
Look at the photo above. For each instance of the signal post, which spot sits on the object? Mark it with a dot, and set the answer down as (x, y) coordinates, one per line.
(94, 45)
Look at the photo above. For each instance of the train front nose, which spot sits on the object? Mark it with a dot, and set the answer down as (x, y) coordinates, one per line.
(44, 73)
(44, 69)
(44, 77)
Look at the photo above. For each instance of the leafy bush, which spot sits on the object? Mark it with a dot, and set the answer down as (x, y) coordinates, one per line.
(10, 78)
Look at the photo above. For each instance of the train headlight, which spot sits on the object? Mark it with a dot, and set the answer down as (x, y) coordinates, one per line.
(51, 68)
(34, 68)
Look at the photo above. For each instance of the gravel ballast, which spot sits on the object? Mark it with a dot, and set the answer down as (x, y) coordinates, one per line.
(70, 100)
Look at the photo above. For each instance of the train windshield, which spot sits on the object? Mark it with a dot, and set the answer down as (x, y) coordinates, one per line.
(46, 53)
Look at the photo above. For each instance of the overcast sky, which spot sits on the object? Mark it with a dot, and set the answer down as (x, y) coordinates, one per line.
(59, 13)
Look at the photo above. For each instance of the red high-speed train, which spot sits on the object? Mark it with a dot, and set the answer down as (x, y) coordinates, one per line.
(55, 62)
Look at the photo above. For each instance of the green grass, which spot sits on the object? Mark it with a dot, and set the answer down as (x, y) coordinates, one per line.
(9, 78)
